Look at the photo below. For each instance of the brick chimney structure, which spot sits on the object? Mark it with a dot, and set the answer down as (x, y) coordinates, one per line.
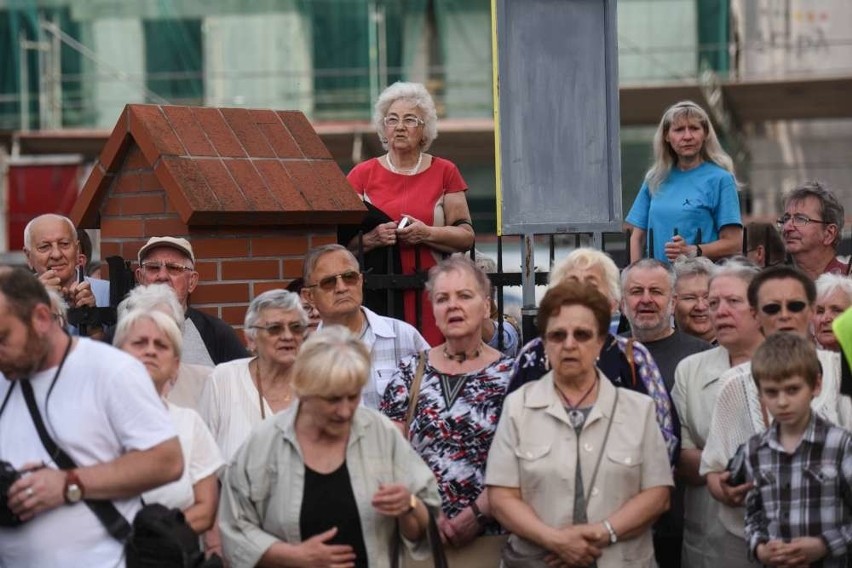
(252, 190)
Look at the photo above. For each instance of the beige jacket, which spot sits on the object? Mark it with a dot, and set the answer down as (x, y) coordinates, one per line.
(535, 449)
(263, 486)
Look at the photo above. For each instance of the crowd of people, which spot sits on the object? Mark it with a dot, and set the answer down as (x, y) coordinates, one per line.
(340, 436)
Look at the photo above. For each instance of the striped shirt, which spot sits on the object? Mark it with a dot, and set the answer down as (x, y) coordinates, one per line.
(805, 493)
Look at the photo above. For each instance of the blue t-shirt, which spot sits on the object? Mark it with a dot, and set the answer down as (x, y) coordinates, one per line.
(701, 198)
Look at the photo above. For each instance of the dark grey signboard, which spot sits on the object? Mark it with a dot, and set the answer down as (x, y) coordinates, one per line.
(557, 124)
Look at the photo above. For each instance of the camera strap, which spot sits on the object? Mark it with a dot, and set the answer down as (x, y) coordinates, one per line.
(114, 522)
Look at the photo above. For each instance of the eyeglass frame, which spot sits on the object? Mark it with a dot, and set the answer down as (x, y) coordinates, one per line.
(148, 266)
(804, 220)
(793, 306)
(551, 336)
(331, 281)
(418, 121)
(295, 328)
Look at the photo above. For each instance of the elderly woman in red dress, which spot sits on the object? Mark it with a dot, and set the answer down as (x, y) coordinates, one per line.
(421, 195)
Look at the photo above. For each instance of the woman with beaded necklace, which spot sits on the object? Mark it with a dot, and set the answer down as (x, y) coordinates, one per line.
(407, 183)
(447, 401)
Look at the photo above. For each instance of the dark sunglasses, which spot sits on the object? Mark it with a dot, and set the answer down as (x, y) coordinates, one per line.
(560, 335)
(794, 307)
(329, 283)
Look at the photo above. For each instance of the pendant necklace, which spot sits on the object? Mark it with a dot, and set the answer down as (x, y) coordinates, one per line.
(463, 356)
(410, 172)
(575, 415)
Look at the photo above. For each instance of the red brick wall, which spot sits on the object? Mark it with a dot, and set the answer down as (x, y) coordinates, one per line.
(235, 264)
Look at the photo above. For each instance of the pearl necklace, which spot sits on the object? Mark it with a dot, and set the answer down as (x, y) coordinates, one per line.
(410, 172)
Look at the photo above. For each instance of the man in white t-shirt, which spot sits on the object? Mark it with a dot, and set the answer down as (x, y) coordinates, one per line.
(99, 406)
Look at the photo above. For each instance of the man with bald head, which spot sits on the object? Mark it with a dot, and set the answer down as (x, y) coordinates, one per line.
(53, 251)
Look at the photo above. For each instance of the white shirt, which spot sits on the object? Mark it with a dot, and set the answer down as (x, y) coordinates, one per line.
(102, 406)
(201, 458)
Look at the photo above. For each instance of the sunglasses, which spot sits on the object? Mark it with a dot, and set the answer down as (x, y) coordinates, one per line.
(560, 335)
(329, 283)
(277, 329)
(794, 307)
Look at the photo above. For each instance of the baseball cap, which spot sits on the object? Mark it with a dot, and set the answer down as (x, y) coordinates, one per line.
(172, 242)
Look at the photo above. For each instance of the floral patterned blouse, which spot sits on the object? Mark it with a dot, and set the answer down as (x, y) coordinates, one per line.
(453, 425)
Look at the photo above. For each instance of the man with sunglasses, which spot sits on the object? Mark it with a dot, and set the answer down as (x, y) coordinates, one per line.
(333, 286)
(207, 340)
(812, 226)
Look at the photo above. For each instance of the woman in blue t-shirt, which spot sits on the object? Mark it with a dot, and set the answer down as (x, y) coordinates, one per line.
(690, 188)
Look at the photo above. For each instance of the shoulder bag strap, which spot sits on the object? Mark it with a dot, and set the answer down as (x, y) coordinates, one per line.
(114, 522)
(603, 447)
(414, 390)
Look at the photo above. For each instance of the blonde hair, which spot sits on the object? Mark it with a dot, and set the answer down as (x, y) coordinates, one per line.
(665, 157)
(587, 258)
(331, 362)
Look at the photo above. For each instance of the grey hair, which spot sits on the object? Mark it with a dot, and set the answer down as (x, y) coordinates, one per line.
(153, 297)
(313, 256)
(830, 208)
(162, 320)
(459, 264)
(586, 258)
(736, 267)
(829, 283)
(28, 230)
(415, 93)
(665, 157)
(685, 267)
(277, 298)
(331, 362)
(648, 263)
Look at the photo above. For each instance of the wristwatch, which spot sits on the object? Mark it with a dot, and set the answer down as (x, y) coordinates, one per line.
(613, 538)
(73, 487)
(480, 518)
(412, 503)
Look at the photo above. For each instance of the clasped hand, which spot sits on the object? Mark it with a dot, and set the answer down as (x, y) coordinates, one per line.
(77, 294)
(576, 545)
(798, 553)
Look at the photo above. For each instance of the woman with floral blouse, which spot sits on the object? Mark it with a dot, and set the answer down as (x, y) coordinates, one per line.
(457, 391)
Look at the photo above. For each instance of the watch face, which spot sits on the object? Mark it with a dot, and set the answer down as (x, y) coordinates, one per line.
(73, 493)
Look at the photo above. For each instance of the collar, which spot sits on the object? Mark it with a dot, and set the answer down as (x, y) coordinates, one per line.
(541, 394)
(285, 422)
(714, 365)
(814, 433)
(382, 326)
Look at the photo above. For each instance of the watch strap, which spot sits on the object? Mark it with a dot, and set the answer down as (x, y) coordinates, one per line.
(613, 537)
(477, 513)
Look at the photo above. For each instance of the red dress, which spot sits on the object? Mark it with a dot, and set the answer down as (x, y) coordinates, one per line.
(416, 195)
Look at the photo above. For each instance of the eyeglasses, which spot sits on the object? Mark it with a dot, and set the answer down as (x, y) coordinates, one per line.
(329, 283)
(173, 268)
(408, 121)
(560, 335)
(800, 220)
(794, 307)
(277, 329)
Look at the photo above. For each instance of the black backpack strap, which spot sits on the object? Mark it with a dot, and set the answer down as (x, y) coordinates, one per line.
(114, 522)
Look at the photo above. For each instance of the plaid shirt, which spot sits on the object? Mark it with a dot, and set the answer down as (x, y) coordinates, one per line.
(805, 493)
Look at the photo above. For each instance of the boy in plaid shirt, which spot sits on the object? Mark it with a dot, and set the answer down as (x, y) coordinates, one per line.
(798, 512)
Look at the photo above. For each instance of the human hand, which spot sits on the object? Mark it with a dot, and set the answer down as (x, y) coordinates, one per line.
(415, 233)
(383, 235)
(676, 247)
(314, 552)
(50, 280)
(732, 496)
(574, 546)
(79, 294)
(39, 489)
(392, 500)
(464, 527)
